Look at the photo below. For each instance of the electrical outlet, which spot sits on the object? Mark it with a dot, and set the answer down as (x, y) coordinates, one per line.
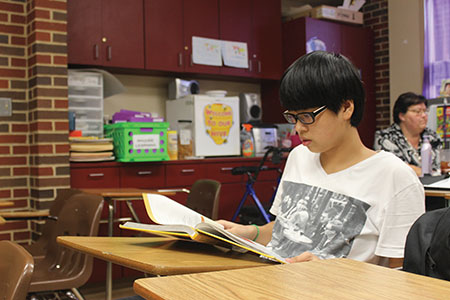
(5, 107)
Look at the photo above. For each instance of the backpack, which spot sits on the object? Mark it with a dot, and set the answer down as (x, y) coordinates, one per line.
(427, 249)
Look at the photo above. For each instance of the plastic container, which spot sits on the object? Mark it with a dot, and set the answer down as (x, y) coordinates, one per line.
(185, 139)
(139, 141)
(247, 141)
(425, 155)
(172, 144)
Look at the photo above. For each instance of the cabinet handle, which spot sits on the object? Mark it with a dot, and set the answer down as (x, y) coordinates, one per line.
(250, 65)
(191, 59)
(96, 175)
(259, 66)
(96, 54)
(226, 169)
(109, 49)
(187, 171)
(180, 59)
(144, 172)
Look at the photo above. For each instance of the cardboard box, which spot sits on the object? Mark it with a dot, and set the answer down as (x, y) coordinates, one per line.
(337, 14)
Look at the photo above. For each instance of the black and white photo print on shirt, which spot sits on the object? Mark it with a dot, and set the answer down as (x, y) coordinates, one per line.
(317, 220)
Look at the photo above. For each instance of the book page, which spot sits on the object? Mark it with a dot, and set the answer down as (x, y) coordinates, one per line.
(163, 210)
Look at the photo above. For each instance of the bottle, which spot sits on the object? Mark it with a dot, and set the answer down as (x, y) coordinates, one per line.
(425, 155)
(172, 144)
(247, 142)
(185, 139)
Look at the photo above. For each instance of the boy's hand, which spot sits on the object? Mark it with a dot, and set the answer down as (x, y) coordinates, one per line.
(245, 231)
(305, 256)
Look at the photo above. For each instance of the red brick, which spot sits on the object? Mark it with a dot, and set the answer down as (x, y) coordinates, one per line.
(17, 19)
(21, 171)
(18, 203)
(23, 235)
(5, 236)
(51, 4)
(20, 193)
(60, 60)
(11, 29)
(20, 41)
(41, 149)
(62, 148)
(8, 226)
(18, 62)
(12, 73)
(43, 59)
(21, 149)
(42, 14)
(61, 103)
(44, 126)
(19, 127)
(62, 125)
(5, 194)
(42, 171)
(54, 181)
(41, 25)
(4, 84)
(11, 7)
(13, 138)
(43, 36)
(13, 160)
(3, 17)
(4, 150)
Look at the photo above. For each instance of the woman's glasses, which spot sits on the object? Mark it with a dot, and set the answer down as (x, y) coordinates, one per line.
(304, 117)
(419, 111)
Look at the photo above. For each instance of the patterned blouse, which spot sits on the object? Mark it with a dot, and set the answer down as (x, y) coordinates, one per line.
(392, 140)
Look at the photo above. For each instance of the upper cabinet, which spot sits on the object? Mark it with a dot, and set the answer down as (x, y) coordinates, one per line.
(157, 34)
(106, 33)
(169, 28)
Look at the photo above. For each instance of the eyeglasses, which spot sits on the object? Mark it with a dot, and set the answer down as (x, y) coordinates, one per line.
(419, 111)
(304, 117)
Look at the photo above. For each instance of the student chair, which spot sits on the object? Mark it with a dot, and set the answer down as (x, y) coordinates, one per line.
(61, 268)
(16, 269)
(48, 230)
(204, 198)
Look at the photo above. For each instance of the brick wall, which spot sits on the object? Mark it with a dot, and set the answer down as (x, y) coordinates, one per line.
(376, 18)
(34, 146)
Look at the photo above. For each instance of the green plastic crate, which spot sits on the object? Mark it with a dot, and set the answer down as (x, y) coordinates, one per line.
(140, 141)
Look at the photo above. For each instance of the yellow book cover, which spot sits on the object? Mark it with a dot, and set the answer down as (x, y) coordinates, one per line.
(177, 220)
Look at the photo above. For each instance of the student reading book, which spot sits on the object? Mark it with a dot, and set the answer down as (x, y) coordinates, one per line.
(174, 219)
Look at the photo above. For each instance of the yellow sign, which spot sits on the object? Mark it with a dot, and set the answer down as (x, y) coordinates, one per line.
(218, 121)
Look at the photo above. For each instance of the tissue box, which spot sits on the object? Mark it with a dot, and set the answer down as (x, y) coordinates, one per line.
(337, 14)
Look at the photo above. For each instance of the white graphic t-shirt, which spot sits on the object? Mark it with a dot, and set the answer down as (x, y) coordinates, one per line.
(363, 212)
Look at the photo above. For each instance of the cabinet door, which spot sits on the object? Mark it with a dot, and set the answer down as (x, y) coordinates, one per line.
(201, 19)
(235, 24)
(123, 31)
(84, 31)
(164, 35)
(266, 58)
(184, 175)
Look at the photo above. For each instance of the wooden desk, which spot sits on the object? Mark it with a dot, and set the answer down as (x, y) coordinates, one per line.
(24, 214)
(4, 204)
(437, 193)
(161, 256)
(119, 194)
(324, 279)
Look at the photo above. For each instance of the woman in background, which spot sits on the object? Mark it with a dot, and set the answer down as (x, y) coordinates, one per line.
(404, 138)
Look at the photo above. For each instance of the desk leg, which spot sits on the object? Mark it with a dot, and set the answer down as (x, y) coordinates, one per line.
(109, 264)
(132, 211)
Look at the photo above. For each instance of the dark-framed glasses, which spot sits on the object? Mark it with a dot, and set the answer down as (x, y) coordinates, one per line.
(419, 111)
(304, 117)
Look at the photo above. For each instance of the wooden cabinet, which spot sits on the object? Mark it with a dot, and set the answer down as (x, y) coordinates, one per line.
(106, 33)
(94, 177)
(169, 28)
(266, 45)
(353, 41)
(144, 175)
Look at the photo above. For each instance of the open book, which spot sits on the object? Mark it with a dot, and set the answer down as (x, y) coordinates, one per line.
(177, 220)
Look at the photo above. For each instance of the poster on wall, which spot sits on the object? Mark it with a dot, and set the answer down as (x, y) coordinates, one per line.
(235, 54)
(206, 51)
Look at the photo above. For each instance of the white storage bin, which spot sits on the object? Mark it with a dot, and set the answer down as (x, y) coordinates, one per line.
(80, 102)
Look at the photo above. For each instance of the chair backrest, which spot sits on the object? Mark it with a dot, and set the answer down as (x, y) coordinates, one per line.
(427, 249)
(204, 197)
(63, 268)
(48, 229)
(16, 268)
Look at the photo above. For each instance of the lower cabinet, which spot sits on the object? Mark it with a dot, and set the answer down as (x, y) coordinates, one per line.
(170, 174)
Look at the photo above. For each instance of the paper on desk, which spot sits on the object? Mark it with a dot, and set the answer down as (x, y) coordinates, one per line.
(441, 184)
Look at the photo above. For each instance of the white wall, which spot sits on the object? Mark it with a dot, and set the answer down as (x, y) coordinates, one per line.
(405, 47)
(149, 93)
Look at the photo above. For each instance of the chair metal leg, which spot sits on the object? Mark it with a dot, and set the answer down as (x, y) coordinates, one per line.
(75, 294)
(108, 292)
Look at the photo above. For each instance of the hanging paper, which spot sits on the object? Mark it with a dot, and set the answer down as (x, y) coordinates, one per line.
(206, 51)
(235, 54)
